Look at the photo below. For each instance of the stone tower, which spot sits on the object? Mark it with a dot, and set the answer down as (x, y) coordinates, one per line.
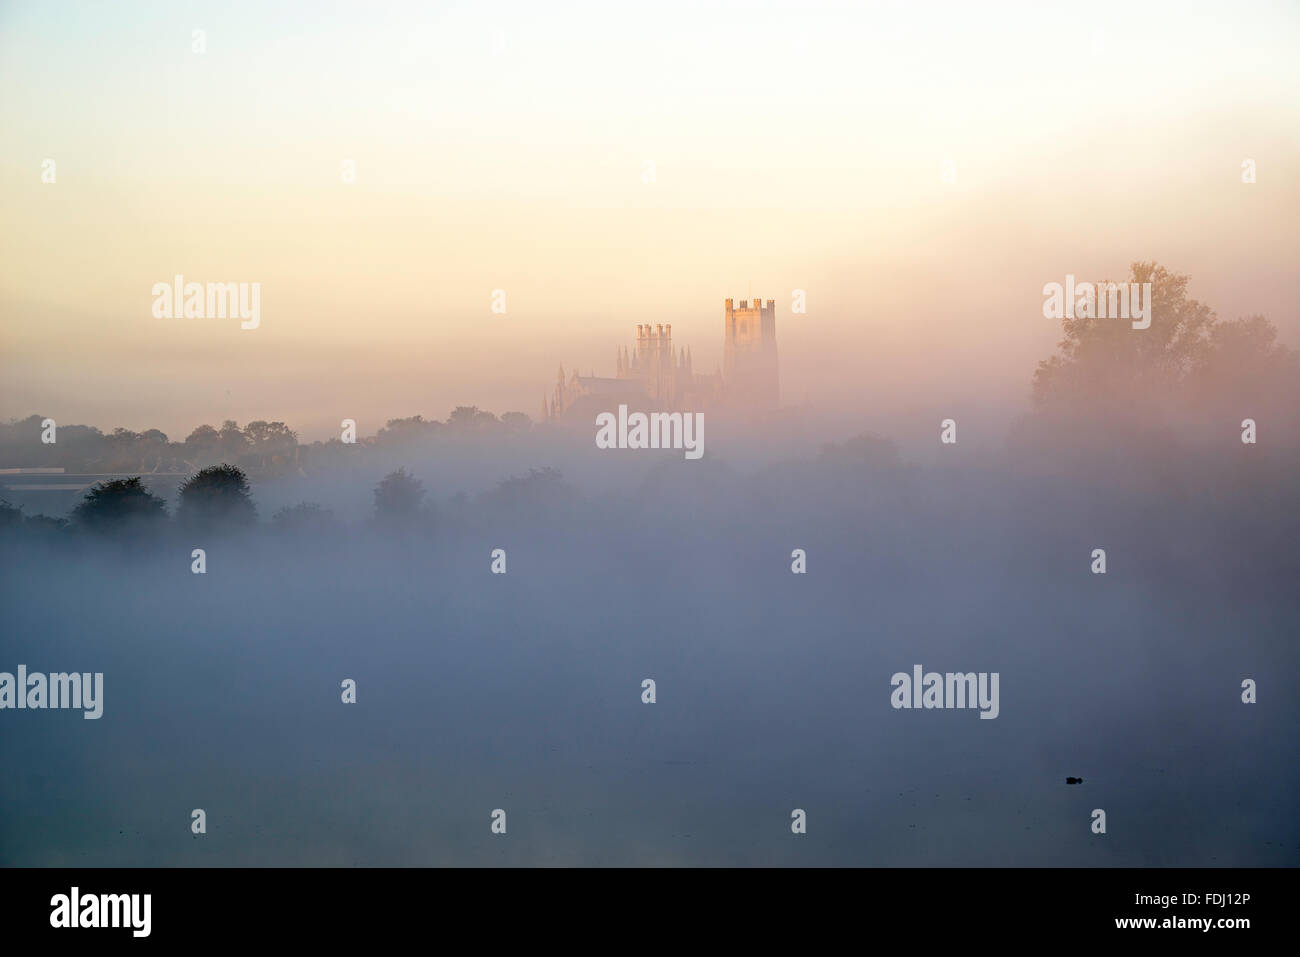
(749, 354)
(652, 362)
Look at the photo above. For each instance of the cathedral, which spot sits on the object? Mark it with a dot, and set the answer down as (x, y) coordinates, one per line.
(654, 377)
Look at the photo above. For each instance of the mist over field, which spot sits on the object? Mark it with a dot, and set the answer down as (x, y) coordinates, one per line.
(522, 691)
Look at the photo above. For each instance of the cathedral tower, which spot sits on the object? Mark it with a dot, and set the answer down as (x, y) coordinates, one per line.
(749, 354)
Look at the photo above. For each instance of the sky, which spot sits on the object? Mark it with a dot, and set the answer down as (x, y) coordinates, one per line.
(608, 164)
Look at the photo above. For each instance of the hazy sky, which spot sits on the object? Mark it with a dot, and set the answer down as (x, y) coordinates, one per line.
(504, 146)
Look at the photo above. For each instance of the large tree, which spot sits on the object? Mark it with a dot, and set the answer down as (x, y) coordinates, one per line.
(202, 446)
(216, 497)
(411, 429)
(271, 445)
(119, 505)
(397, 499)
(1247, 368)
(1112, 391)
(1106, 365)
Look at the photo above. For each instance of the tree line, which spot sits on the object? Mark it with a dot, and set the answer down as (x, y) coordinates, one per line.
(260, 447)
(218, 499)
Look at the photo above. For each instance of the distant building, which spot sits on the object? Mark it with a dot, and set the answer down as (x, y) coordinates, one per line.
(593, 393)
(749, 364)
(655, 377)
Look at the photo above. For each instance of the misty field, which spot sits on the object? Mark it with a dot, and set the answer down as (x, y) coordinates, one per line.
(522, 691)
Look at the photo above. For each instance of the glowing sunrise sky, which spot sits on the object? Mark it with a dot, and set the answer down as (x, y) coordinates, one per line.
(794, 146)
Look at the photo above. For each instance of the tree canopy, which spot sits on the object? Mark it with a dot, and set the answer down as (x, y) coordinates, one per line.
(117, 505)
(216, 497)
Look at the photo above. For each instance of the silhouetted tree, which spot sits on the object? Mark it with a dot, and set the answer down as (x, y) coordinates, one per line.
(401, 431)
(15, 525)
(1247, 369)
(231, 441)
(398, 497)
(80, 448)
(154, 449)
(119, 505)
(471, 419)
(216, 497)
(462, 417)
(142, 451)
(202, 446)
(1114, 394)
(538, 491)
(271, 445)
(1104, 365)
(37, 526)
(11, 516)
